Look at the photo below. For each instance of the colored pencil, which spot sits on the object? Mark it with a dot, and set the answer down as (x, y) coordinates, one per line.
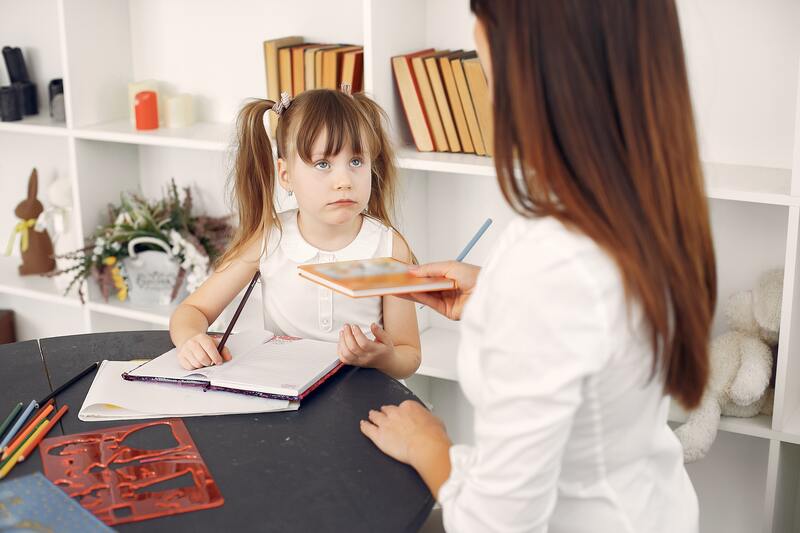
(19, 446)
(11, 461)
(238, 311)
(31, 445)
(18, 424)
(70, 382)
(10, 418)
(27, 430)
(474, 239)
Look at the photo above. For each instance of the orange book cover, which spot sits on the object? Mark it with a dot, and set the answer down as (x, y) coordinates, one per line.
(363, 278)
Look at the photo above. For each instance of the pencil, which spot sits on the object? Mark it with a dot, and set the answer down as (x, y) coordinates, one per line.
(31, 445)
(18, 447)
(27, 430)
(238, 311)
(10, 418)
(18, 424)
(470, 244)
(11, 461)
(474, 239)
(69, 383)
(31, 421)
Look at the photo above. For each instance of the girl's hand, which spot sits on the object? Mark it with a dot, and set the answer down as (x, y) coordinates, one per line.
(201, 351)
(448, 303)
(357, 350)
(408, 433)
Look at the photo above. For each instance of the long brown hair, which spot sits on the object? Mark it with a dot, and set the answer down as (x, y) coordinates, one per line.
(354, 120)
(591, 99)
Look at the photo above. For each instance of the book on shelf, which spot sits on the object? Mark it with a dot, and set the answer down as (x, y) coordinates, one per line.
(272, 68)
(412, 101)
(332, 66)
(437, 85)
(298, 67)
(479, 90)
(353, 70)
(310, 54)
(445, 99)
(466, 101)
(294, 66)
(453, 99)
(428, 101)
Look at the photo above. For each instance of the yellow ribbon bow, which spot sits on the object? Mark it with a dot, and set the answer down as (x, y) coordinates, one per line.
(22, 227)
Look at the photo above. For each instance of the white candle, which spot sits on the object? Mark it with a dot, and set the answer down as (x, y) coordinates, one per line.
(136, 87)
(179, 111)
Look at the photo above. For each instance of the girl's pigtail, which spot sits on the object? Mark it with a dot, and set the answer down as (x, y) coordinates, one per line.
(253, 178)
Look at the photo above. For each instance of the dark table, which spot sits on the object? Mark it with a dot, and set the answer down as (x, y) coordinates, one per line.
(306, 470)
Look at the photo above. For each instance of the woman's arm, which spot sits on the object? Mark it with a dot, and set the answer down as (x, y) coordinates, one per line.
(190, 320)
(543, 332)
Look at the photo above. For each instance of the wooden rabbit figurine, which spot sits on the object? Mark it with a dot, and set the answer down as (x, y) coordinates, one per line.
(36, 246)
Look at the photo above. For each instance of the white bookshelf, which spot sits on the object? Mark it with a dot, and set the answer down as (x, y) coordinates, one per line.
(745, 91)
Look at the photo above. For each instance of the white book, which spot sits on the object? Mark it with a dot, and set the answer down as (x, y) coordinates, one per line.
(262, 364)
(113, 398)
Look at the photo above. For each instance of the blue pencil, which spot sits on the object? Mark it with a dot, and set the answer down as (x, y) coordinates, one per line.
(474, 239)
(470, 244)
(18, 424)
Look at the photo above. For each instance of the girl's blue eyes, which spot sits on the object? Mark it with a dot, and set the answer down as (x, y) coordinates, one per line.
(324, 165)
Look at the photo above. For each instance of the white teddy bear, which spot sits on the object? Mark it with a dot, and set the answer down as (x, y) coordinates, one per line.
(741, 365)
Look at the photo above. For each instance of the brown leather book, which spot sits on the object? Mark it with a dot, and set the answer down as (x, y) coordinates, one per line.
(479, 90)
(412, 101)
(332, 65)
(353, 70)
(271, 68)
(456, 108)
(429, 102)
(466, 102)
(437, 84)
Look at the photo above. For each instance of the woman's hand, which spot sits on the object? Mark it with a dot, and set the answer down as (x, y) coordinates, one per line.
(357, 349)
(448, 303)
(408, 433)
(201, 351)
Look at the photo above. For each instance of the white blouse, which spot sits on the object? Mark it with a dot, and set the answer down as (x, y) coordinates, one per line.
(295, 306)
(571, 434)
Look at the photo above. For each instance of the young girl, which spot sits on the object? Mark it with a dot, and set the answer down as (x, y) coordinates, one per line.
(334, 157)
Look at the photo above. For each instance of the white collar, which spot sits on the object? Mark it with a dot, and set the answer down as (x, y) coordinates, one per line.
(299, 250)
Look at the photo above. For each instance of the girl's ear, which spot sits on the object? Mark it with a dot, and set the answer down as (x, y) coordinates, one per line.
(283, 174)
(33, 185)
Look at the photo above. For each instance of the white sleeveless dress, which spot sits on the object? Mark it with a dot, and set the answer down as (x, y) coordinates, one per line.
(295, 306)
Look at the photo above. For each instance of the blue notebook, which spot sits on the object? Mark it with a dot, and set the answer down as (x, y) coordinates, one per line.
(33, 503)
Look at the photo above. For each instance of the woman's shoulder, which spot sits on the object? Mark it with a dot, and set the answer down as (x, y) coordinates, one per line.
(545, 250)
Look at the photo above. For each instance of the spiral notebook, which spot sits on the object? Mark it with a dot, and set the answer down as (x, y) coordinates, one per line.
(262, 364)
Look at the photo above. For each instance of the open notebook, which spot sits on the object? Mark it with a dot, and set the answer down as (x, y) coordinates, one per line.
(262, 364)
(112, 398)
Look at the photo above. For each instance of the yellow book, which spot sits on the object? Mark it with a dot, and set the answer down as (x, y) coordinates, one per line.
(429, 103)
(455, 102)
(480, 98)
(466, 101)
(435, 76)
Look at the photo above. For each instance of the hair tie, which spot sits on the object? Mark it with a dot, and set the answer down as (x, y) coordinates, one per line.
(282, 104)
(347, 89)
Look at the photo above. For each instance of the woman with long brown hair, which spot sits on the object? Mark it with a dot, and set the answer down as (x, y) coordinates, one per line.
(596, 305)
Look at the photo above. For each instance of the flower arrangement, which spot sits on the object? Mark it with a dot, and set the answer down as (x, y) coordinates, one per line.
(195, 241)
